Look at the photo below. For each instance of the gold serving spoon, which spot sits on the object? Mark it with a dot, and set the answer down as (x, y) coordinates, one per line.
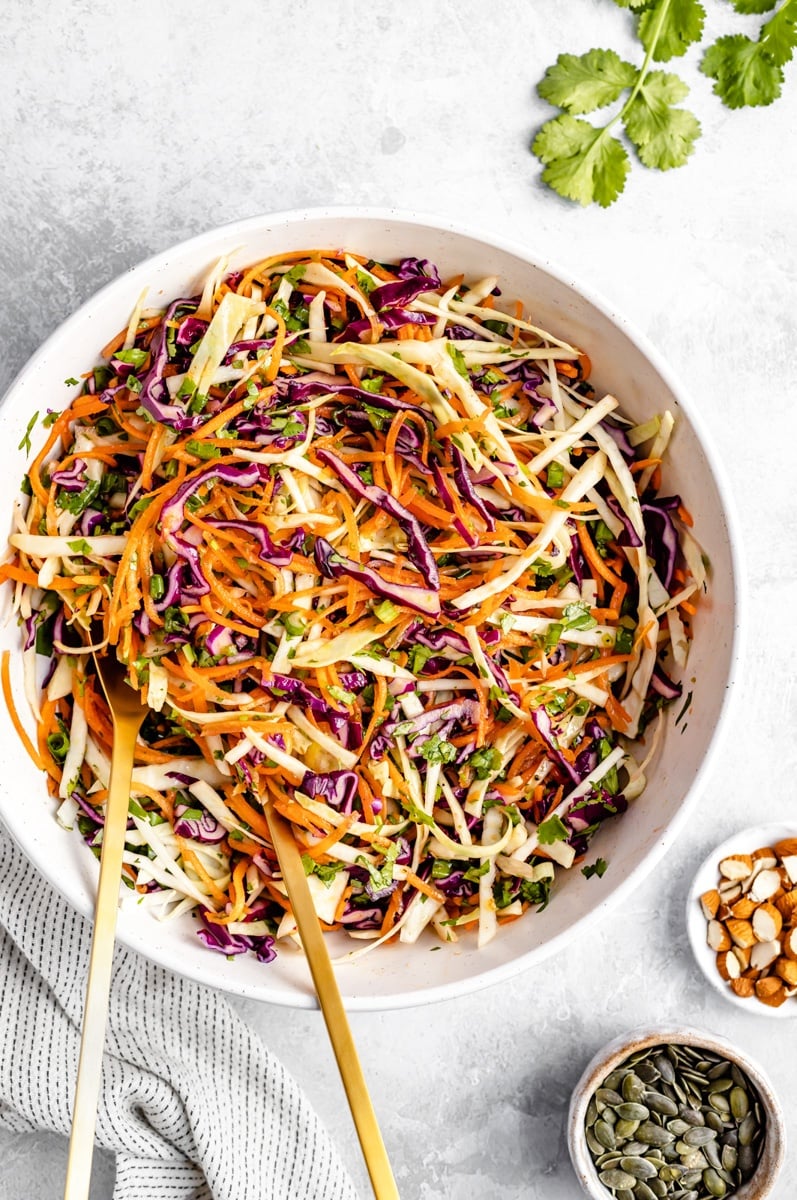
(127, 714)
(326, 987)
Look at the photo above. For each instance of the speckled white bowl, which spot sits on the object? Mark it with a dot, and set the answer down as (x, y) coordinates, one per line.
(625, 364)
(743, 842)
(618, 1050)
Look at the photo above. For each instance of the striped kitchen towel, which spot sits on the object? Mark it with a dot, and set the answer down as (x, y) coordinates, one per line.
(193, 1105)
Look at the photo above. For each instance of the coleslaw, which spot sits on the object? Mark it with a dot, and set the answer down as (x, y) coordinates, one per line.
(367, 541)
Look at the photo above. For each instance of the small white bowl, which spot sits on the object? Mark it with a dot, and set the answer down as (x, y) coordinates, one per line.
(615, 1053)
(743, 842)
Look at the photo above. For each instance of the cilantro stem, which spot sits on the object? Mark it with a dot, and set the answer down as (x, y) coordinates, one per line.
(644, 71)
(645, 68)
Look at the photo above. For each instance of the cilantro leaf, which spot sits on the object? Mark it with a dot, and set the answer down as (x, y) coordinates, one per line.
(669, 27)
(435, 750)
(663, 135)
(582, 83)
(633, 3)
(753, 6)
(552, 830)
(597, 868)
(25, 443)
(779, 34)
(744, 74)
(538, 892)
(582, 163)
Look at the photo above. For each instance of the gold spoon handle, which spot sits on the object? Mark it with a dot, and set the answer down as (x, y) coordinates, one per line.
(95, 1013)
(326, 986)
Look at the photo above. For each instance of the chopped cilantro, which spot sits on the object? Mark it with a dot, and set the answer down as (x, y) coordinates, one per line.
(436, 750)
(597, 868)
(458, 359)
(552, 830)
(485, 762)
(25, 443)
(134, 357)
(578, 616)
(78, 502)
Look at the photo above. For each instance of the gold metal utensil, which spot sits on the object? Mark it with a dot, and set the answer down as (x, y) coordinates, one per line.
(127, 714)
(326, 986)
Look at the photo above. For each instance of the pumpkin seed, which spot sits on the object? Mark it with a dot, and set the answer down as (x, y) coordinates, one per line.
(740, 1103)
(608, 1096)
(635, 1147)
(714, 1183)
(692, 1116)
(604, 1132)
(627, 1110)
(657, 1186)
(678, 1126)
(595, 1147)
(747, 1129)
(647, 1072)
(643, 1192)
(626, 1129)
(654, 1135)
(664, 1068)
(721, 1085)
(690, 1178)
(699, 1136)
(661, 1104)
(712, 1153)
(746, 1161)
(633, 1087)
(616, 1178)
(729, 1158)
(624, 1194)
(637, 1166)
(714, 1120)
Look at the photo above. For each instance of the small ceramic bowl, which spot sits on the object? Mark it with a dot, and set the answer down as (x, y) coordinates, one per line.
(617, 1051)
(743, 842)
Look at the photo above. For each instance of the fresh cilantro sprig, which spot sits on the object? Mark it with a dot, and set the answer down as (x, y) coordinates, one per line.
(586, 162)
(748, 73)
(589, 163)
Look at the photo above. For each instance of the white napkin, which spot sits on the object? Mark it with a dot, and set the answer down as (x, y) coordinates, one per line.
(193, 1104)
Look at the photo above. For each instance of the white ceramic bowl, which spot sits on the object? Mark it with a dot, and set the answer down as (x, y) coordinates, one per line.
(743, 842)
(618, 1050)
(624, 363)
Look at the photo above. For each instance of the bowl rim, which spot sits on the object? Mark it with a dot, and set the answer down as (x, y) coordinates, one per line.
(621, 1047)
(704, 878)
(500, 973)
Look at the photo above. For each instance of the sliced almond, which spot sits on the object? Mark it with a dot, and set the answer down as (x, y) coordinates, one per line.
(730, 892)
(789, 864)
(744, 988)
(765, 885)
(789, 944)
(787, 906)
(728, 965)
(767, 922)
(785, 847)
(765, 856)
(718, 937)
(743, 955)
(771, 991)
(724, 911)
(736, 866)
(743, 908)
(786, 968)
(763, 954)
(710, 902)
(741, 932)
